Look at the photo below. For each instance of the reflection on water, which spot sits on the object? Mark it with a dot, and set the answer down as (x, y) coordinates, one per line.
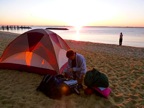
(77, 35)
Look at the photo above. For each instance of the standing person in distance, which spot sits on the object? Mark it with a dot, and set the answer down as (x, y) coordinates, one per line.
(120, 39)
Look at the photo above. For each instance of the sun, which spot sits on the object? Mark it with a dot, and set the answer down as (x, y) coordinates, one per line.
(76, 24)
(78, 27)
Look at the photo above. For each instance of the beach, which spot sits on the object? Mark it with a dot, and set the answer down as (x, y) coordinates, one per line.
(124, 66)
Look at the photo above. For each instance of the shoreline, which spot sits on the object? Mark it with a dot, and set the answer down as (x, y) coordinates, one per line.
(124, 66)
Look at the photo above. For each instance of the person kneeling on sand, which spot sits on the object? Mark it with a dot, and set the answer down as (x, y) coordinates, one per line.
(76, 68)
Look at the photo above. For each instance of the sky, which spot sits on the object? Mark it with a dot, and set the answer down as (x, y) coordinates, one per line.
(72, 12)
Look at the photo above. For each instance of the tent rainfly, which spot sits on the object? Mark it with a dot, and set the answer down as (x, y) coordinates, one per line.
(39, 51)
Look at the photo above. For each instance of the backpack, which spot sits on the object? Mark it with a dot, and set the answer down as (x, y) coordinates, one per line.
(96, 78)
(50, 86)
(57, 86)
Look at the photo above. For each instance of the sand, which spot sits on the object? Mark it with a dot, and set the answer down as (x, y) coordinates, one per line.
(123, 65)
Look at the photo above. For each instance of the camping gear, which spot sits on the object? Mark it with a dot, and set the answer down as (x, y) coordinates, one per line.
(88, 91)
(98, 82)
(105, 92)
(50, 86)
(96, 78)
(54, 86)
(39, 50)
(71, 82)
(100, 91)
(72, 86)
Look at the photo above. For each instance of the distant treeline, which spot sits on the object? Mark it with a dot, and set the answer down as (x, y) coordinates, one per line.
(14, 27)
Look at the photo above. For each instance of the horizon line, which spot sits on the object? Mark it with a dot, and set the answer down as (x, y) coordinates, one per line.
(81, 26)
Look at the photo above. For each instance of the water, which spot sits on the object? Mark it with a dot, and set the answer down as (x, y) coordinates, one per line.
(109, 35)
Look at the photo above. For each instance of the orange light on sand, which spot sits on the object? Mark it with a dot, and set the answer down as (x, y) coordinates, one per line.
(28, 58)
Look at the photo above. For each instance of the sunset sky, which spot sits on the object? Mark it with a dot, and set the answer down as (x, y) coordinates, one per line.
(72, 12)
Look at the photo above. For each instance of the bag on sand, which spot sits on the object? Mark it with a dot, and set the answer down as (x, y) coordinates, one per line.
(98, 82)
(56, 86)
(50, 86)
(96, 78)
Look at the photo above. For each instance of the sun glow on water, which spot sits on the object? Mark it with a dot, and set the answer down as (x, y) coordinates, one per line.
(77, 33)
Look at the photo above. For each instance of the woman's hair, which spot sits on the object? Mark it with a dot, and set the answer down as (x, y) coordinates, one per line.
(70, 53)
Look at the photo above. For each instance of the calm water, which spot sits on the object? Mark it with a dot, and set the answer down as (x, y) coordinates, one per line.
(131, 36)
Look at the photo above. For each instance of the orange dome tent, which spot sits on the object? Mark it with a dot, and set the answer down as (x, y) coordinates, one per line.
(40, 51)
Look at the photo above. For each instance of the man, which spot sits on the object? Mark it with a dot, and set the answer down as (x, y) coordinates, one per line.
(76, 68)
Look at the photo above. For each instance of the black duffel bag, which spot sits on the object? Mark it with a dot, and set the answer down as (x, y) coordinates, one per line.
(50, 86)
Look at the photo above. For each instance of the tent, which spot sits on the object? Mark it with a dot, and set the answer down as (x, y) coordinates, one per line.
(40, 51)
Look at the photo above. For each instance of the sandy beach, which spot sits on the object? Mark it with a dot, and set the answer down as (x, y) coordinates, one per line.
(124, 66)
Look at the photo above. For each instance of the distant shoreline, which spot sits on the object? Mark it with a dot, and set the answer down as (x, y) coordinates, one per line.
(49, 26)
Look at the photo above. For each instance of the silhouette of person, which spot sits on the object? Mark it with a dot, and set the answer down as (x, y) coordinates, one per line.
(120, 39)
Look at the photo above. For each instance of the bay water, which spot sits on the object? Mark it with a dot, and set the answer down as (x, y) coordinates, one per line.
(132, 36)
